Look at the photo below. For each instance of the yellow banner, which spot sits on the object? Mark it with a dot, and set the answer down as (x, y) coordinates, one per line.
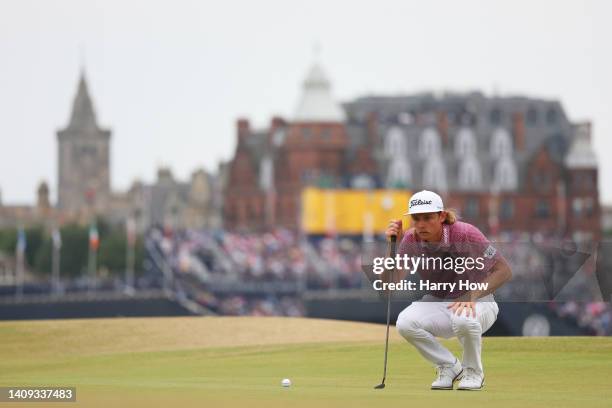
(326, 211)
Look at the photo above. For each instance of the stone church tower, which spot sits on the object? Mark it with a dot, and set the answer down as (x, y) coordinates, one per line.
(84, 159)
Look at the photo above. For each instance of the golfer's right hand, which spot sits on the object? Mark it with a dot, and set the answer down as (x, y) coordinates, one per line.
(394, 228)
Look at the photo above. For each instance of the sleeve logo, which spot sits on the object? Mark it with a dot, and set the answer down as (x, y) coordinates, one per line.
(490, 252)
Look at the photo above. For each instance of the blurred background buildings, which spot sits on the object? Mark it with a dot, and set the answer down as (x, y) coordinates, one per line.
(85, 191)
(281, 224)
(508, 164)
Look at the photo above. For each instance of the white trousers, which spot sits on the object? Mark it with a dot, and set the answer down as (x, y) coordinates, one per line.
(423, 321)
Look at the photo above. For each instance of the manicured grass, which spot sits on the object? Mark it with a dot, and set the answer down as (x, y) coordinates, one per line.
(214, 362)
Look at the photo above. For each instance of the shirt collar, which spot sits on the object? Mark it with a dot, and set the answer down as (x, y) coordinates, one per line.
(444, 242)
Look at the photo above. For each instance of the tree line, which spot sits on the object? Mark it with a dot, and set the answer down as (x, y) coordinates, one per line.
(111, 256)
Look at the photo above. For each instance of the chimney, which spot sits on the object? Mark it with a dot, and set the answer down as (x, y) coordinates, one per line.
(243, 129)
(276, 122)
(442, 123)
(372, 126)
(518, 129)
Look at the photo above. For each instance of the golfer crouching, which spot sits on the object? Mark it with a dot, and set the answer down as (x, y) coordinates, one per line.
(446, 313)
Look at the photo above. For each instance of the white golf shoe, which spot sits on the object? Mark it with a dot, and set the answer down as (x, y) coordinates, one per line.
(447, 375)
(471, 380)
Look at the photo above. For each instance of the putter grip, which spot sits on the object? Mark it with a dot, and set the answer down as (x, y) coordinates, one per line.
(393, 249)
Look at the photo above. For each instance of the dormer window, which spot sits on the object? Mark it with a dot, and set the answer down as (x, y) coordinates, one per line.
(505, 175)
(434, 175)
(470, 176)
(465, 143)
(495, 116)
(532, 117)
(395, 143)
(501, 143)
(429, 144)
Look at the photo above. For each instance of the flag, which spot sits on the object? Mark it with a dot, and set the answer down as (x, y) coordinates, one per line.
(56, 237)
(21, 241)
(94, 239)
(130, 231)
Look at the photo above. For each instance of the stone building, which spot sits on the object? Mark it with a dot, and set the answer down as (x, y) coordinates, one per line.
(84, 187)
(43, 213)
(83, 181)
(171, 203)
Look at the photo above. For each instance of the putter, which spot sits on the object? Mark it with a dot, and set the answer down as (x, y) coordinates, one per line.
(392, 255)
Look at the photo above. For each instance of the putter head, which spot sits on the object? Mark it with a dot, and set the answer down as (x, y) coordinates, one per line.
(380, 386)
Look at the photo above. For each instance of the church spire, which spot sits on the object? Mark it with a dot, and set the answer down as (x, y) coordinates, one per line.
(83, 114)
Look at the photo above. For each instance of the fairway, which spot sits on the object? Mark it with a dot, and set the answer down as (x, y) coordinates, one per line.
(225, 361)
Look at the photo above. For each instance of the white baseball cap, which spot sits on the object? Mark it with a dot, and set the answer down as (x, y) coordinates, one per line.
(425, 202)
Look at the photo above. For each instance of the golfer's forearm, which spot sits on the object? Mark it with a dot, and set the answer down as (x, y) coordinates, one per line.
(501, 274)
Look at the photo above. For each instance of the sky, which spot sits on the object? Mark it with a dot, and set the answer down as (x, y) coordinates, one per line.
(170, 78)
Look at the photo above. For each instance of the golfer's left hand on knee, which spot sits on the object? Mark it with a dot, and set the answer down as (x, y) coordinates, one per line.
(458, 308)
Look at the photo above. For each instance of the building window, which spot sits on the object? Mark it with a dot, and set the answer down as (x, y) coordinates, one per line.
(465, 144)
(589, 182)
(506, 210)
(278, 137)
(495, 116)
(541, 181)
(584, 182)
(405, 118)
(254, 209)
(469, 173)
(577, 207)
(429, 144)
(588, 206)
(307, 133)
(434, 175)
(542, 209)
(501, 143)
(395, 143)
(505, 176)
(532, 117)
(472, 208)
(308, 176)
(326, 134)
(576, 181)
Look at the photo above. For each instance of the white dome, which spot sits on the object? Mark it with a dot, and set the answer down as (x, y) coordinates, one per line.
(317, 103)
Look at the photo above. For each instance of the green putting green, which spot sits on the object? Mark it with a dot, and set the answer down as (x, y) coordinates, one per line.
(226, 362)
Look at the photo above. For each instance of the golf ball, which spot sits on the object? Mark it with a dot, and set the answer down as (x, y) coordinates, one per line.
(286, 382)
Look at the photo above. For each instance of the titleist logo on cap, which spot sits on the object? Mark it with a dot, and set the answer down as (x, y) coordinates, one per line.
(419, 202)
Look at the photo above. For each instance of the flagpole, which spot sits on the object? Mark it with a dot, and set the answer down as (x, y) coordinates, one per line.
(19, 276)
(21, 246)
(130, 269)
(130, 255)
(90, 270)
(56, 240)
(55, 272)
(94, 241)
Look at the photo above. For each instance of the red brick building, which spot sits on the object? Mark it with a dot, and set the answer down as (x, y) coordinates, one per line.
(270, 167)
(509, 165)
